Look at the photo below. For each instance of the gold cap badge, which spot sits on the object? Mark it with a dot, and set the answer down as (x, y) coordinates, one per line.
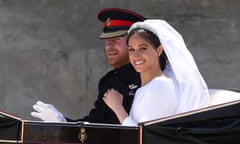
(108, 21)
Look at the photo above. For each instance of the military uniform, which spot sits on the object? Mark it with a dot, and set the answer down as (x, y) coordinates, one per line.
(126, 81)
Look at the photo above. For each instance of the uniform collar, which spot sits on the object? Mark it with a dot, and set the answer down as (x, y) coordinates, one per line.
(124, 69)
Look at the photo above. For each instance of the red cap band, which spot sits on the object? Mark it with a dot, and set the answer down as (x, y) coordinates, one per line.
(110, 23)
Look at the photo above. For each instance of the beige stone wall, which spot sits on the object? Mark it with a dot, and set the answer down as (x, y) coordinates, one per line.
(50, 51)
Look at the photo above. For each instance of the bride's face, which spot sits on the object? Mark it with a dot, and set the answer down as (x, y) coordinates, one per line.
(142, 55)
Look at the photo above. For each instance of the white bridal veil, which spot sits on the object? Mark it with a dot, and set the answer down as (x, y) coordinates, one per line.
(192, 89)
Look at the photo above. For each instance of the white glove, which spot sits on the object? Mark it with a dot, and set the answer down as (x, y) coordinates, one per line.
(47, 112)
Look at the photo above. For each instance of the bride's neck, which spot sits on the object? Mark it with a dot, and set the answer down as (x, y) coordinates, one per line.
(147, 77)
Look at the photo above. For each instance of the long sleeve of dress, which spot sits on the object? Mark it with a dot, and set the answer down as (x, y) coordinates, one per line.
(155, 100)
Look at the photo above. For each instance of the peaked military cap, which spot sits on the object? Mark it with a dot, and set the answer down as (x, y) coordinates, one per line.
(117, 21)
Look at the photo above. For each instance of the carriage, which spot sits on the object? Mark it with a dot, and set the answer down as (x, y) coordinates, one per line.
(217, 124)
